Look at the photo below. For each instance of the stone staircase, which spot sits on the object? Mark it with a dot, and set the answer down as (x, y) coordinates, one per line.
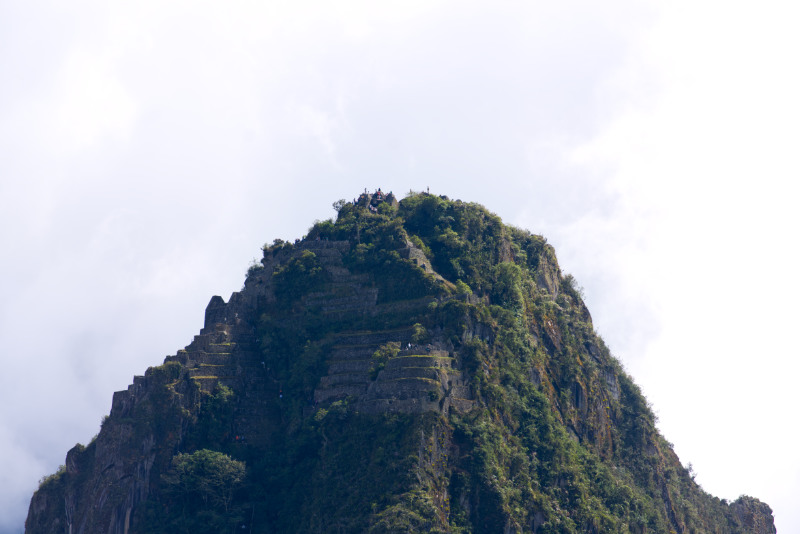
(345, 292)
(350, 363)
(207, 360)
(228, 355)
(419, 378)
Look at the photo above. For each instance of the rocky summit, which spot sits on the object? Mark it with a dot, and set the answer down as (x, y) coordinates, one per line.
(411, 366)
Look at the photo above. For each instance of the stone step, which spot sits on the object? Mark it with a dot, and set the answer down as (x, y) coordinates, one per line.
(361, 302)
(352, 353)
(350, 366)
(420, 360)
(341, 283)
(212, 370)
(208, 383)
(204, 341)
(404, 387)
(344, 378)
(214, 358)
(337, 273)
(379, 337)
(335, 304)
(395, 307)
(339, 392)
(227, 378)
(181, 357)
(395, 405)
(409, 372)
(221, 348)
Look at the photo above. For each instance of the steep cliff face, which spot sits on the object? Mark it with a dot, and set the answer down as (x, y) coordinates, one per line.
(408, 367)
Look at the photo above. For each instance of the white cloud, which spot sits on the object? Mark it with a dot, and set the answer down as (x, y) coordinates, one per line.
(709, 163)
(148, 149)
(93, 102)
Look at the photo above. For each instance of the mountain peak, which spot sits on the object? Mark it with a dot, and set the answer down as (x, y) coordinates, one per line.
(412, 365)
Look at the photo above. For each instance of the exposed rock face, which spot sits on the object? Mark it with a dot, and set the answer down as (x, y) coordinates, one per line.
(753, 515)
(420, 377)
(105, 481)
(360, 351)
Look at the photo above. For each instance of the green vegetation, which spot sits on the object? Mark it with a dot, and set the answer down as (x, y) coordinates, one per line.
(381, 356)
(254, 268)
(198, 495)
(214, 420)
(561, 455)
(297, 278)
(54, 478)
(558, 438)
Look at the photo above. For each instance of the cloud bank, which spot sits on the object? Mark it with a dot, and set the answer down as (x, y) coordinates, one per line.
(148, 150)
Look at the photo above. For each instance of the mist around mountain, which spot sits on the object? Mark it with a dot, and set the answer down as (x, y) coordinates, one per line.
(412, 366)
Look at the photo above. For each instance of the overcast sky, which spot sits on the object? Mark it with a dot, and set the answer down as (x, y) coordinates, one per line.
(148, 149)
